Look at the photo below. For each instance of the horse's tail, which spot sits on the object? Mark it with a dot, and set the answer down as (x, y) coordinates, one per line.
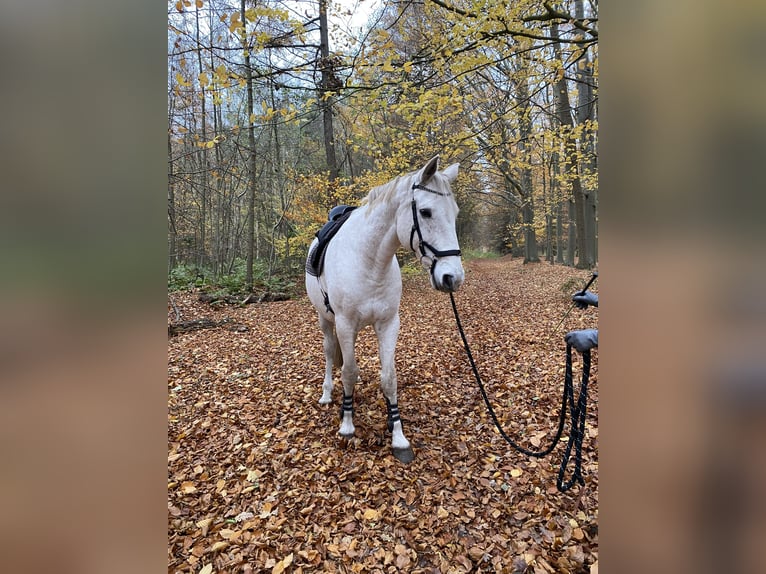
(337, 359)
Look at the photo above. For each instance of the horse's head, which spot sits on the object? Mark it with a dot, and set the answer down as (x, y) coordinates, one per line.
(427, 224)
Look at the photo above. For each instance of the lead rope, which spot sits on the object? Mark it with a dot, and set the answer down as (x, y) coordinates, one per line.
(577, 412)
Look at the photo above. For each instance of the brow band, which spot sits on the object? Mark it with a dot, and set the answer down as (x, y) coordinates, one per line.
(424, 188)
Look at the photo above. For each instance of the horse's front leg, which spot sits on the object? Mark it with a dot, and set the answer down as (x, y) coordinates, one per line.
(387, 333)
(349, 374)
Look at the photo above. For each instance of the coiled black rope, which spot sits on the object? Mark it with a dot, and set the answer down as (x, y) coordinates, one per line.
(577, 411)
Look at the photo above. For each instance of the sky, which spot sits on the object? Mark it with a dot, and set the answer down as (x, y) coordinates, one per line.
(360, 11)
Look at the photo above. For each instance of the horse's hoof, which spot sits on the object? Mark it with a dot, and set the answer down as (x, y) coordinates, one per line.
(405, 455)
(325, 401)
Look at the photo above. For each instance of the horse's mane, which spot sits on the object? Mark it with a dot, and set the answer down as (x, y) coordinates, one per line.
(386, 193)
(383, 193)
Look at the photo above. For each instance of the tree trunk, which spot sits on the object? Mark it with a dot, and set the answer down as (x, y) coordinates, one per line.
(586, 114)
(220, 236)
(530, 241)
(252, 158)
(326, 97)
(571, 234)
(548, 210)
(528, 208)
(564, 114)
(202, 252)
(560, 232)
(549, 238)
(172, 246)
(557, 203)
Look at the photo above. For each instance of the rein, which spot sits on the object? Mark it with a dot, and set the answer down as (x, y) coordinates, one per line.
(422, 243)
(577, 411)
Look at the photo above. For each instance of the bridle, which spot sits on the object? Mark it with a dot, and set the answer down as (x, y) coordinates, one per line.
(422, 243)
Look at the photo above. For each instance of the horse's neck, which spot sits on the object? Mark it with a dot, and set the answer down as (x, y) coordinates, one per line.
(377, 233)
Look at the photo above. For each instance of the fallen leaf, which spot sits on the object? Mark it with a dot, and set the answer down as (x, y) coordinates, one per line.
(402, 561)
(220, 545)
(204, 525)
(476, 552)
(371, 514)
(350, 527)
(242, 516)
(188, 487)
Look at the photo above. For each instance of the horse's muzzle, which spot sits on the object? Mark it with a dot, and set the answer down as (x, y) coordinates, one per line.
(448, 283)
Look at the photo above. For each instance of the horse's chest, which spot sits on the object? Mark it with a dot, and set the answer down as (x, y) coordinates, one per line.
(371, 308)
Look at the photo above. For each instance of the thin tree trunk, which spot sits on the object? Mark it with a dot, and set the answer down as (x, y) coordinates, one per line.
(528, 207)
(173, 232)
(202, 252)
(586, 114)
(564, 114)
(279, 184)
(560, 232)
(219, 239)
(571, 233)
(326, 98)
(559, 209)
(549, 238)
(251, 157)
(530, 241)
(548, 210)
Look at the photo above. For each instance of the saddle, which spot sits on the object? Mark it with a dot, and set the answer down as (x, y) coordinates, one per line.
(338, 216)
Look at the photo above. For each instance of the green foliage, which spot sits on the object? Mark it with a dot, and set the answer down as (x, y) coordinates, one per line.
(410, 267)
(277, 283)
(185, 277)
(234, 282)
(470, 253)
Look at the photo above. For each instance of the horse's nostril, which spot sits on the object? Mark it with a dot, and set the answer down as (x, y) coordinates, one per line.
(449, 282)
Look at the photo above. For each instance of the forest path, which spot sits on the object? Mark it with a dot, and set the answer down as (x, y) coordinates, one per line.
(259, 481)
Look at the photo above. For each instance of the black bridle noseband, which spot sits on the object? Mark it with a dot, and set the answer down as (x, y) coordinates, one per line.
(422, 243)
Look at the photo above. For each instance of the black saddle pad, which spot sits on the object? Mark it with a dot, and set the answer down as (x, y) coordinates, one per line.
(315, 261)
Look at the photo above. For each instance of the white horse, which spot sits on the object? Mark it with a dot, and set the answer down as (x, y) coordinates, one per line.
(361, 284)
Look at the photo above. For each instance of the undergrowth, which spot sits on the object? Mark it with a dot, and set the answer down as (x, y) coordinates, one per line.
(186, 277)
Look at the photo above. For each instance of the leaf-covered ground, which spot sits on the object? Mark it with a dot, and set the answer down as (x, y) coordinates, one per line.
(260, 481)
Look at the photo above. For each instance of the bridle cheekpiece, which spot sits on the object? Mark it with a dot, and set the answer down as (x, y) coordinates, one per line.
(422, 243)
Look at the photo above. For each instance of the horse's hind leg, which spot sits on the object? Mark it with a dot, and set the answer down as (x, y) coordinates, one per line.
(332, 357)
(387, 333)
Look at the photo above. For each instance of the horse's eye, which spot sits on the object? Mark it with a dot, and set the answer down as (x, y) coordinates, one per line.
(425, 213)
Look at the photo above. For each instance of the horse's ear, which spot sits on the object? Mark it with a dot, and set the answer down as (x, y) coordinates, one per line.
(451, 172)
(429, 170)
